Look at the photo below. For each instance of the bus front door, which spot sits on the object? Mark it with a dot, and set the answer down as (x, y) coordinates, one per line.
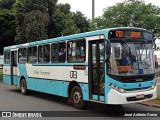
(14, 67)
(96, 70)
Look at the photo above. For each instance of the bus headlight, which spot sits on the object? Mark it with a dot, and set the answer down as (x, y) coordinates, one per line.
(121, 90)
(153, 86)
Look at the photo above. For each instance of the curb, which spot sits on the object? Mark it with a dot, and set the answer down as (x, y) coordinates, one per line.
(151, 105)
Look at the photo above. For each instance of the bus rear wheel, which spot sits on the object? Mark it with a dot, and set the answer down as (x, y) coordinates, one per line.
(77, 98)
(23, 87)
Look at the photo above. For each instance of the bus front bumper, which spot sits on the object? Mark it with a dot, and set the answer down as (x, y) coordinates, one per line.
(115, 97)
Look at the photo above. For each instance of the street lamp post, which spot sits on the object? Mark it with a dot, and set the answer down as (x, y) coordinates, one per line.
(93, 9)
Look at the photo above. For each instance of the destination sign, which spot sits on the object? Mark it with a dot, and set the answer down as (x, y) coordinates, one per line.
(129, 34)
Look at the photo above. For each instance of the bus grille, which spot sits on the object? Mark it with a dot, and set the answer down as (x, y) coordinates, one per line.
(136, 99)
(139, 79)
(138, 89)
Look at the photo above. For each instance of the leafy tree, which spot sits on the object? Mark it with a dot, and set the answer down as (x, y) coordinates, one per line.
(131, 13)
(62, 22)
(34, 26)
(25, 9)
(7, 31)
(6, 4)
(81, 21)
(36, 20)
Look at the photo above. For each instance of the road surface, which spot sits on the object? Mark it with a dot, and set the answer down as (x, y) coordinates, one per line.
(12, 100)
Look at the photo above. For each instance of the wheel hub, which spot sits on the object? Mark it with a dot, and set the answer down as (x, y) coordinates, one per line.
(77, 97)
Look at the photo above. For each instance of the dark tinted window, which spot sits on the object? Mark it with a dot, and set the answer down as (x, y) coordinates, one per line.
(58, 52)
(44, 53)
(32, 54)
(7, 57)
(22, 53)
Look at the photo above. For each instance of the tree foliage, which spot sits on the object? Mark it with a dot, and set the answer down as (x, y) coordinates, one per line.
(130, 13)
(81, 21)
(63, 22)
(7, 24)
(34, 26)
(6, 4)
(32, 19)
(40, 19)
(7, 31)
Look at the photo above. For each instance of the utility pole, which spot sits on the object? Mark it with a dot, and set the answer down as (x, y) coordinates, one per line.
(93, 9)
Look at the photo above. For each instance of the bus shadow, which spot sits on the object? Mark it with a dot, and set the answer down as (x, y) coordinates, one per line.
(92, 109)
(44, 96)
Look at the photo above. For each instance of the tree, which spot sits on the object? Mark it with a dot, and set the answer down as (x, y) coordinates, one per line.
(81, 21)
(7, 31)
(24, 10)
(34, 26)
(62, 22)
(6, 4)
(131, 13)
(65, 22)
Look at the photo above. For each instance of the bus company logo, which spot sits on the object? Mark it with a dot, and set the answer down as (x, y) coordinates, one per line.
(21, 114)
(139, 85)
(6, 114)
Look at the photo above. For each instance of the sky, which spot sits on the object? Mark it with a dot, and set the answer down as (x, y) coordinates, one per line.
(85, 6)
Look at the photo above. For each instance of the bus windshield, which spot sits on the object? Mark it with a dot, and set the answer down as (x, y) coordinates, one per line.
(128, 59)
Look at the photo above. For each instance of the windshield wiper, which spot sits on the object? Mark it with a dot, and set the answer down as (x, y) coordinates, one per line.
(144, 45)
(126, 47)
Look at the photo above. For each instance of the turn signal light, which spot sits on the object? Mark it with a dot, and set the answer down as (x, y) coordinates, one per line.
(79, 67)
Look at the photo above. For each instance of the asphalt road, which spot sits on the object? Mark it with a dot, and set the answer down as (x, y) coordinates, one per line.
(12, 100)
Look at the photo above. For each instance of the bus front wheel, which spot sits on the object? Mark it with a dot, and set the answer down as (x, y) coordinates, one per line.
(77, 98)
(23, 87)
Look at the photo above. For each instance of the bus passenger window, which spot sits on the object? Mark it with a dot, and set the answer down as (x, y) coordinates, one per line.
(44, 53)
(62, 52)
(58, 52)
(54, 52)
(32, 54)
(22, 55)
(76, 51)
(7, 57)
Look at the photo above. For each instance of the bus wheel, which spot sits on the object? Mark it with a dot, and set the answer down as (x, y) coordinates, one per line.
(77, 98)
(23, 87)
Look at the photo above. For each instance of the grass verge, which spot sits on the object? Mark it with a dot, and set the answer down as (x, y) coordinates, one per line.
(155, 101)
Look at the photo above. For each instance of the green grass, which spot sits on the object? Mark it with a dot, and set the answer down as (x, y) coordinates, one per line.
(157, 101)
(1, 74)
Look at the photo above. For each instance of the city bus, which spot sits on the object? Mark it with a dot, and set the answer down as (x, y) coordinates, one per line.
(108, 66)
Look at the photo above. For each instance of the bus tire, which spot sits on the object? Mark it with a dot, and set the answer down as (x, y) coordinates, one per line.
(23, 87)
(77, 98)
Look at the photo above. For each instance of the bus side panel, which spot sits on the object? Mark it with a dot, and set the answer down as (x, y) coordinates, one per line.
(85, 91)
(61, 88)
(22, 72)
(48, 86)
(55, 81)
(7, 79)
(15, 80)
(6, 74)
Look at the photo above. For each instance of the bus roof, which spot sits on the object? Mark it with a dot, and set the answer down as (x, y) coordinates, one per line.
(69, 37)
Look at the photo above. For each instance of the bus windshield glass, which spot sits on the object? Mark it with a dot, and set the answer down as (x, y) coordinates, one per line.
(130, 59)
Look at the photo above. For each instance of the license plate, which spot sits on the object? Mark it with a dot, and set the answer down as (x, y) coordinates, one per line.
(140, 96)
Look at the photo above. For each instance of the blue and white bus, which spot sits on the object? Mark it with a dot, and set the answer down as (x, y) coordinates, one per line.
(109, 66)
